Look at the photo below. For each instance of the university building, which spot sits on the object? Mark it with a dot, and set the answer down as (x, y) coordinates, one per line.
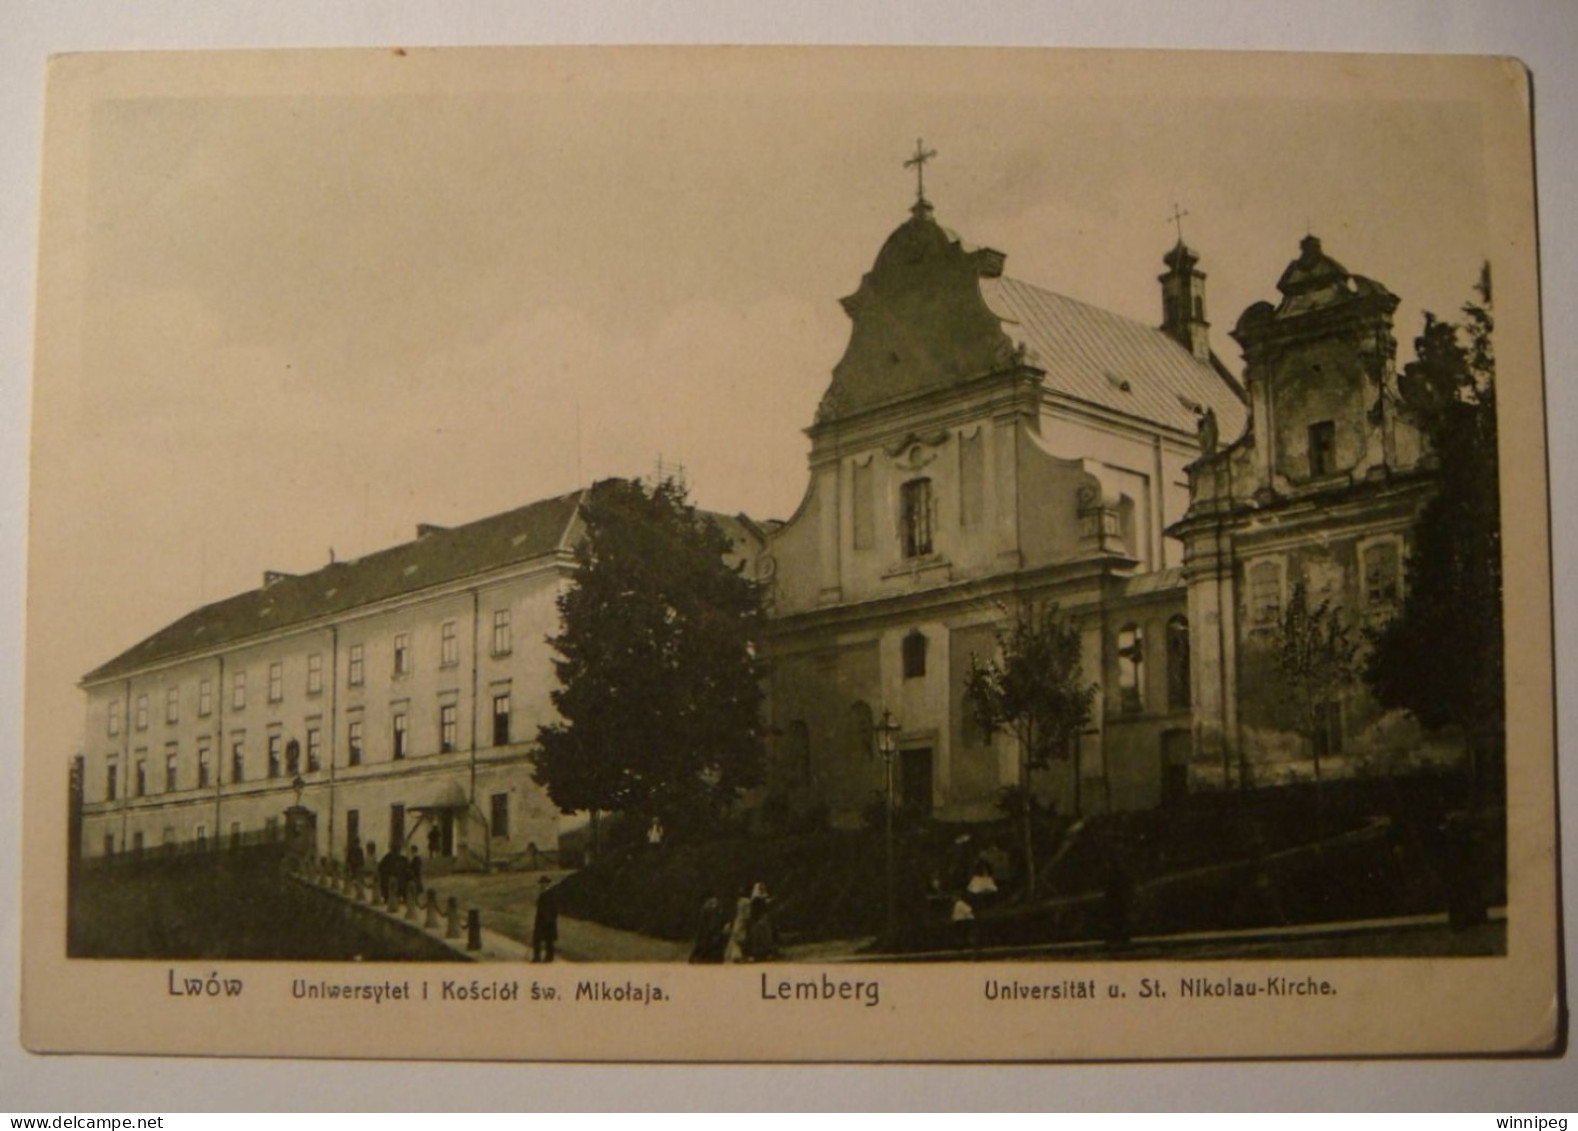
(985, 446)
(397, 697)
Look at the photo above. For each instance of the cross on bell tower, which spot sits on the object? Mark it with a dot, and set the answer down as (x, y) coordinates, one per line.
(918, 163)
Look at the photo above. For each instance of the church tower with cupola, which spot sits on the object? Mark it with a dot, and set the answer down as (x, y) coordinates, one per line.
(1320, 495)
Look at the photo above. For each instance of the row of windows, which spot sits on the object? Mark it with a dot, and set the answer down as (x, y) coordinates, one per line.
(356, 674)
(287, 758)
(1380, 574)
(1131, 666)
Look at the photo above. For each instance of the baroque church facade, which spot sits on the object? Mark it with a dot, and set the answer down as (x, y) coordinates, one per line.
(987, 447)
(984, 446)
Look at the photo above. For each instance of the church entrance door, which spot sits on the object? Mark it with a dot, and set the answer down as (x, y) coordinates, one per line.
(915, 780)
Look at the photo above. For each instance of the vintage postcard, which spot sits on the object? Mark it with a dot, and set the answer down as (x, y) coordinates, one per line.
(776, 554)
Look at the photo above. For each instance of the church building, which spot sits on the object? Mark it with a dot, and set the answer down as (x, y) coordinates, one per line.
(987, 446)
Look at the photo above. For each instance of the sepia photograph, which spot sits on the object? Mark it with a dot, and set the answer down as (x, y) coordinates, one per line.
(553, 531)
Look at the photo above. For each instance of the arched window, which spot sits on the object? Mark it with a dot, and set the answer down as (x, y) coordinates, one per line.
(1178, 663)
(1131, 668)
(859, 732)
(915, 519)
(914, 655)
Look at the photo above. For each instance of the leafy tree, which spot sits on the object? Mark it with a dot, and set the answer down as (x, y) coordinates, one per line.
(1441, 657)
(1315, 656)
(1034, 690)
(659, 687)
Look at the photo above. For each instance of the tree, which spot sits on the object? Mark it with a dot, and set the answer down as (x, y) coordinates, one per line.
(659, 691)
(1034, 691)
(1315, 656)
(1441, 657)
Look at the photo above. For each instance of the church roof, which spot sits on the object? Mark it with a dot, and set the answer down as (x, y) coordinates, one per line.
(438, 556)
(1105, 359)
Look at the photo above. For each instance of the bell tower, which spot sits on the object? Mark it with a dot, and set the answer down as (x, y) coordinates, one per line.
(1183, 301)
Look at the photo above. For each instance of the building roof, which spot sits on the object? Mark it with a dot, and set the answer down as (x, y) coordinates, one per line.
(1113, 362)
(437, 556)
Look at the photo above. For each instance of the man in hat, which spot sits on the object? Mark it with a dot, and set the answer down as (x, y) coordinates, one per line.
(545, 928)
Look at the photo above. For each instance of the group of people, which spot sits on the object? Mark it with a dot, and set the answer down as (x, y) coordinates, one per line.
(749, 935)
(395, 873)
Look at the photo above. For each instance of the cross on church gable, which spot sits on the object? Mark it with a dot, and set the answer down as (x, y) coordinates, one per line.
(918, 163)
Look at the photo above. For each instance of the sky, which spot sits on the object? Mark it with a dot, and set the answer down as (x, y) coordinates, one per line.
(321, 304)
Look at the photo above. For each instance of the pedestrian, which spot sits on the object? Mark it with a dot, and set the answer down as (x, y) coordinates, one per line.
(712, 932)
(354, 861)
(370, 858)
(762, 940)
(739, 929)
(414, 873)
(981, 892)
(434, 839)
(391, 875)
(545, 926)
(965, 929)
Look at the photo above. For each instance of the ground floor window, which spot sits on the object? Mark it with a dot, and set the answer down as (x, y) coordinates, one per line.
(499, 816)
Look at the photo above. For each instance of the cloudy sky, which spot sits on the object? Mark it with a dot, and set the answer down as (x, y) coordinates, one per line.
(320, 301)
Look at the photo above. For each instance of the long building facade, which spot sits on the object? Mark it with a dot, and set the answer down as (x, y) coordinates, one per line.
(985, 446)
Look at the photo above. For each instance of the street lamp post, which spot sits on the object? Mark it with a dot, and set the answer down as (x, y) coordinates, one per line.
(887, 747)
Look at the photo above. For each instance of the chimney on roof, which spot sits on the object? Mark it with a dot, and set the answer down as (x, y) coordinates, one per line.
(426, 529)
(272, 577)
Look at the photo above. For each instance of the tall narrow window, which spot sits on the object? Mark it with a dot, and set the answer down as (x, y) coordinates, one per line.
(914, 657)
(115, 716)
(276, 682)
(112, 782)
(1131, 668)
(205, 698)
(503, 639)
(238, 690)
(1323, 449)
(501, 718)
(449, 645)
(863, 505)
(293, 757)
(1265, 593)
(315, 673)
(915, 517)
(238, 760)
(1178, 663)
(170, 762)
(314, 749)
(356, 665)
(1327, 738)
(353, 742)
(448, 727)
(396, 827)
(140, 782)
(276, 743)
(402, 653)
(172, 704)
(401, 733)
(1381, 574)
(499, 814)
(142, 711)
(204, 771)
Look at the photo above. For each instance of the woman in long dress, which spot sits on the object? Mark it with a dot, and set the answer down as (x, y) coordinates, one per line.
(739, 930)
